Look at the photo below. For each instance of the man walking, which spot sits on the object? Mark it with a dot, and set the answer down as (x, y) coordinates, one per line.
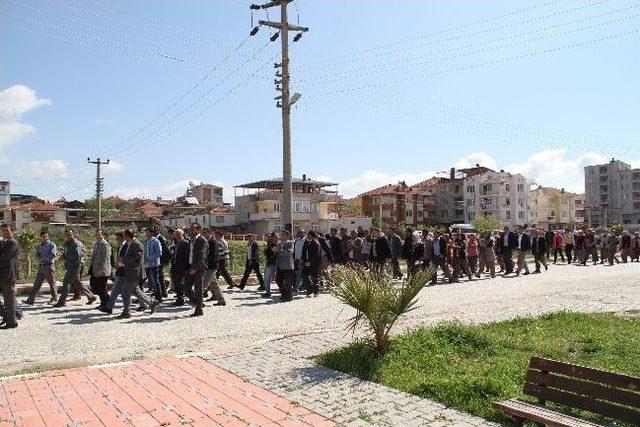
(198, 251)
(152, 255)
(252, 263)
(118, 282)
(435, 254)
(285, 266)
(210, 280)
(508, 243)
(73, 255)
(590, 248)
(133, 262)
(311, 258)
(524, 246)
(380, 251)
(538, 248)
(298, 244)
(45, 256)
(9, 251)
(223, 259)
(100, 268)
(395, 244)
(179, 265)
(271, 263)
(625, 246)
(558, 246)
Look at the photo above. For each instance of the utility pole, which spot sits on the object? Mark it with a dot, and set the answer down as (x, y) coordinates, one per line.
(99, 187)
(285, 100)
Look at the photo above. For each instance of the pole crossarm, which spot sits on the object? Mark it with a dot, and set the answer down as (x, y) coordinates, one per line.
(281, 26)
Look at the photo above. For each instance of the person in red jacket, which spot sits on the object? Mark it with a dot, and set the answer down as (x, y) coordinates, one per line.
(558, 246)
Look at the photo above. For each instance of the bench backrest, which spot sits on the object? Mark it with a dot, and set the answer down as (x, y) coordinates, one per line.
(605, 393)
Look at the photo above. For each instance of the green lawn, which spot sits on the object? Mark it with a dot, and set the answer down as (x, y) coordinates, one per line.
(469, 367)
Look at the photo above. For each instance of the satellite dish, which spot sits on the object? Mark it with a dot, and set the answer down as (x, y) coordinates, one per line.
(296, 96)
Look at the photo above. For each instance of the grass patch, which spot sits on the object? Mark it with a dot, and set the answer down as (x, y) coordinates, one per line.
(469, 367)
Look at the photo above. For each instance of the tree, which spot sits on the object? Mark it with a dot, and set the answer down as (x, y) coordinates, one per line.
(352, 209)
(28, 241)
(486, 223)
(91, 208)
(378, 302)
(617, 229)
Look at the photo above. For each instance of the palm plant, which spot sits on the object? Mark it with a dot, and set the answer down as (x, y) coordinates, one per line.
(378, 302)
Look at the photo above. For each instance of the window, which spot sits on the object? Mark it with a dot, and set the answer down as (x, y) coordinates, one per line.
(507, 201)
(279, 227)
(472, 216)
(277, 207)
(507, 187)
(219, 219)
(420, 214)
(520, 214)
(445, 213)
(507, 214)
(471, 189)
(520, 188)
(486, 188)
(409, 214)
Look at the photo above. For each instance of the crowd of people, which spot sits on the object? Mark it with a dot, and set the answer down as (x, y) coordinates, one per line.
(197, 258)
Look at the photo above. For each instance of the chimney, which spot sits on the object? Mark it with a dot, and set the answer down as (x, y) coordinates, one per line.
(562, 190)
(304, 177)
(477, 165)
(452, 173)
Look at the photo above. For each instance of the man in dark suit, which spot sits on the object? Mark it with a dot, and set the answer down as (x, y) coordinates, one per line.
(395, 244)
(198, 251)
(311, 260)
(335, 245)
(133, 271)
(524, 246)
(179, 264)
(380, 251)
(9, 250)
(508, 243)
(252, 263)
(539, 250)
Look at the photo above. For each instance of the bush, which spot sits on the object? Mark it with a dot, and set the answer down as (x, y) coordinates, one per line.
(377, 301)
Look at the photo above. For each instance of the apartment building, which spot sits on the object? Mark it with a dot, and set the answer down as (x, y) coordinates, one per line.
(259, 206)
(554, 208)
(502, 195)
(206, 194)
(612, 194)
(393, 203)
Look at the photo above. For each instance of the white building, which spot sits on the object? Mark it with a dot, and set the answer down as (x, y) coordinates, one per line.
(502, 195)
(218, 217)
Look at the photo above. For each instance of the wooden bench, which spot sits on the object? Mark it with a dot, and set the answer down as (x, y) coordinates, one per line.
(611, 395)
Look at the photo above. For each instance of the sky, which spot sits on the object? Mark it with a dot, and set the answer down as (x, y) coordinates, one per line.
(176, 91)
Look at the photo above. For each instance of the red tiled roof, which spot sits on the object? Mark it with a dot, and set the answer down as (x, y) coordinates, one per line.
(38, 207)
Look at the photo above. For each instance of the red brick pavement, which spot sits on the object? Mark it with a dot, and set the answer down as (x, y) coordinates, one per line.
(173, 391)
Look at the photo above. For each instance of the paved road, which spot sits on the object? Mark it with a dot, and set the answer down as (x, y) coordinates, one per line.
(76, 335)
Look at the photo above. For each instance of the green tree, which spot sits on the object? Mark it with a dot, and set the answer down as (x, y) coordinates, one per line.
(486, 223)
(353, 209)
(617, 229)
(27, 240)
(91, 207)
(378, 302)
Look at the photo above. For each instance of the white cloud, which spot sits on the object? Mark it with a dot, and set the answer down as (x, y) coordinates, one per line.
(470, 160)
(113, 166)
(168, 191)
(15, 101)
(55, 169)
(557, 168)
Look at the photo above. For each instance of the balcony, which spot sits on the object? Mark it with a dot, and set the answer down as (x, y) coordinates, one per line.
(264, 216)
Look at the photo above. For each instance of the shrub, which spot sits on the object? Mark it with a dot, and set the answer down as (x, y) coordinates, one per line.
(377, 301)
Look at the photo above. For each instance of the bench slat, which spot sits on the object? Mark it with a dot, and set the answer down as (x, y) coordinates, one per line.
(540, 414)
(596, 375)
(580, 402)
(578, 386)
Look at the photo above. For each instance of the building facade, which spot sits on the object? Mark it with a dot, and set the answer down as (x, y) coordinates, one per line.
(612, 194)
(395, 203)
(207, 194)
(501, 195)
(554, 208)
(259, 205)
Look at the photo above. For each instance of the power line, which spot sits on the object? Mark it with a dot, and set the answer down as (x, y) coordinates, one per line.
(201, 114)
(439, 32)
(192, 104)
(329, 63)
(478, 65)
(347, 75)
